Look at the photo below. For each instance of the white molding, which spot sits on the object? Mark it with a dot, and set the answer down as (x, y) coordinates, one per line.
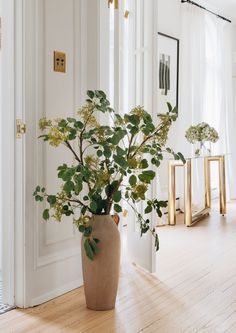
(56, 292)
(8, 148)
(24, 97)
(56, 257)
(154, 189)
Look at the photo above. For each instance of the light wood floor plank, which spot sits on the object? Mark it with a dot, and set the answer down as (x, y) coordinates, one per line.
(194, 289)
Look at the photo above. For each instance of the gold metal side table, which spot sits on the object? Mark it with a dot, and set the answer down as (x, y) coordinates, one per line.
(190, 218)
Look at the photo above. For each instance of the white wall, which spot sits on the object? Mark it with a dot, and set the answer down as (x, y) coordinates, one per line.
(234, 49)
(169, 21)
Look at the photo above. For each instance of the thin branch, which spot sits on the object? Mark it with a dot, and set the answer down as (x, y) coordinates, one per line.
(79, 202)
(73, 151)
(147, 139)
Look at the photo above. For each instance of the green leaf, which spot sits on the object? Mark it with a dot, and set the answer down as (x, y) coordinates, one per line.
(148, 209)
(163, 203)
(83, 210)
(69, 186)
(88, 249)
(159, 212)
(46, 215)
(117, 208)
(181, 156)
(149, 128)
(62, 123)
(71, 120)
(51, 199)
(39, 198)
(90, 94)
(107, 152)
(102, 94)
(169, 106)
(118, 136)
(133, 180)
(120, 161)
(99, 153)
(117, 196)
(94, 246)
(81, 228)
(134, 119)
(120, 151)
(93, 206)
(147, 176)
(78, 187)
(72, 134)
(144, 164)
(79, 125)
(134, 130)
(87, 231)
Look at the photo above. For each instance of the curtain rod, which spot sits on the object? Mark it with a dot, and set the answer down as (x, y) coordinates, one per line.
(208, 10)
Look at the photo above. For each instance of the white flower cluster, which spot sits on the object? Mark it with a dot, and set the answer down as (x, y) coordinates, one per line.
(201, 132)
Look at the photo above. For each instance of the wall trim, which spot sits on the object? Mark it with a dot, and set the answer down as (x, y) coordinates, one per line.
(57, 292)
(8, 148)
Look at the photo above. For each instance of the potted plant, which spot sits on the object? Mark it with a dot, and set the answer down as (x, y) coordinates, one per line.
(111, 164)
(202, 133)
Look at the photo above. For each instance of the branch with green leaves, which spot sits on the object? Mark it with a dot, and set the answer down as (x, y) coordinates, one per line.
(111, 163)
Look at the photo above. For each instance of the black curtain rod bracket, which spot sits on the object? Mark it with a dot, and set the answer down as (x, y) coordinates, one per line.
(208, 10)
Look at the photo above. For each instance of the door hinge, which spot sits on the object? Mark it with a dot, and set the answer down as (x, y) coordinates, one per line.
(20, 128)
(110, 2)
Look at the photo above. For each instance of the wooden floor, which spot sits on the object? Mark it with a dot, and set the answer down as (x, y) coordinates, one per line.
(195, 290)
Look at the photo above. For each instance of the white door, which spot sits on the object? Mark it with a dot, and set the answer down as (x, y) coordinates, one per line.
(142, 82)
(42, 260)
(49, 262)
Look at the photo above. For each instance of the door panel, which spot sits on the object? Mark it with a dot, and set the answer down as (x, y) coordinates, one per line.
(52, 253)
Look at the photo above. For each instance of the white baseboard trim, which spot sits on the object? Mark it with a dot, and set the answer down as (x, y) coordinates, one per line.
(57, 292)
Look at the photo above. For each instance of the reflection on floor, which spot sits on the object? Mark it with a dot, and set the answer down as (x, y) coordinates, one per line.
(3, 308)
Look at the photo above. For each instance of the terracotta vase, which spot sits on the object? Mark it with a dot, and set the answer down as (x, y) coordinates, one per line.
(101, 275)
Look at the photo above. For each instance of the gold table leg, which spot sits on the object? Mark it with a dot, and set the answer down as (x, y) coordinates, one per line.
(171, 194)
(222, 184)
(207, 178)
(188, 193)
(172, 191)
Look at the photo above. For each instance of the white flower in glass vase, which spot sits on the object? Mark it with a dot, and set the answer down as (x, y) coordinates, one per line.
(202, 133)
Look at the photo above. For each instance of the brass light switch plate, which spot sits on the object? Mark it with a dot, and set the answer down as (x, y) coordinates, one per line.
(59, 62)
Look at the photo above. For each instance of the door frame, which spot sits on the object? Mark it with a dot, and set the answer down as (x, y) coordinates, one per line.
(13, 178)
(8, 149)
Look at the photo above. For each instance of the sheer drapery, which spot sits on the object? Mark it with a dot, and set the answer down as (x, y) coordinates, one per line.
(206, 87)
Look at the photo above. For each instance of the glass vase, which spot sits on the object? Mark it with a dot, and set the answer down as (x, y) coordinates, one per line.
(203, 148)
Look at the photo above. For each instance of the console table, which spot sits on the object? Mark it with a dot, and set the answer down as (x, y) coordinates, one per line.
(190, 218)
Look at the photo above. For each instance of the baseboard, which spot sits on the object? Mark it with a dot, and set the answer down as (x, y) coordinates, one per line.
(57, 292)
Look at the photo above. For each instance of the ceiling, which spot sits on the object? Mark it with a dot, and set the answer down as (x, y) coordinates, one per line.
(226, 7)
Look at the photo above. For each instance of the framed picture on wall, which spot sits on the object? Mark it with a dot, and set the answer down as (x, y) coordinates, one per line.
(168, 71)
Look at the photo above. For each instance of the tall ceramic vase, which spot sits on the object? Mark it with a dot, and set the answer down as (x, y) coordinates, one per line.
(101, 275)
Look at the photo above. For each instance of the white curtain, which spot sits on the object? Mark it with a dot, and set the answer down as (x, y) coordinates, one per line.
(206, 88)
